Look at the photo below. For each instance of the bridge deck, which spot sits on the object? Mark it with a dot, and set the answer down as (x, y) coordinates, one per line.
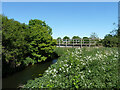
(76, 42)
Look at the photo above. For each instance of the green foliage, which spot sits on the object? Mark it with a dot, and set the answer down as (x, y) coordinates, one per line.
(66, 37)
(99, 42)
(41, 24)
(14, 43)
(61, 51)
(86, 39)
(110, 41)
(42, 45)
(95, 39)
(81, 68)
(94, 36)
(58, 38)
(75, 37)
(28, 60)
(21, 41)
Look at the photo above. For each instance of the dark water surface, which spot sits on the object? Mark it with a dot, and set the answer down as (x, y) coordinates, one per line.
(21, 77)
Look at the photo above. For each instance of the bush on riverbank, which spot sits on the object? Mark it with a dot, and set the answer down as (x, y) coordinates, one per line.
(23, 44)
(81, 68)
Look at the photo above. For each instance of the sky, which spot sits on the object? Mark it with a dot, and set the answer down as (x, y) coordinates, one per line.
(67, 18)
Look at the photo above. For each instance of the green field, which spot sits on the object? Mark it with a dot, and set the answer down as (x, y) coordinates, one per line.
(81, 68)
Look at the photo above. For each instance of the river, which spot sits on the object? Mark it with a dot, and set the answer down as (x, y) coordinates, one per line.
(21, 77)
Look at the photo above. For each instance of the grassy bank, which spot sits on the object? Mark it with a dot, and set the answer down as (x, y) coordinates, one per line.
(62, 50)
(81, 68)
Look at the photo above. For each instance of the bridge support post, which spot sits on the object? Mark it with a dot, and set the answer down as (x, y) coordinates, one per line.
(66, 42)
(81, 42)
(59, 42)
(89, 42)
(73, 42)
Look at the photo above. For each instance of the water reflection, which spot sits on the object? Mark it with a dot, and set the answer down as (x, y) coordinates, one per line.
(55, 60)
(31, 72)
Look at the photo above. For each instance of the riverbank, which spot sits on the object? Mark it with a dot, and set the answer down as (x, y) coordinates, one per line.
(81, 68)
(8, 69)
(31, 71)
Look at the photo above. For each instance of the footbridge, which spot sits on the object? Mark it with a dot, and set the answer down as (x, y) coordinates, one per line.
(76, 42)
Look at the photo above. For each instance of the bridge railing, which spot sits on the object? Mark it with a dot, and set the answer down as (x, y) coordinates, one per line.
(76, 42)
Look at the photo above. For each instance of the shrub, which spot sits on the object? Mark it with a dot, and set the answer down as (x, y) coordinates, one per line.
(81, 68)
(110, 41)
(28, 60)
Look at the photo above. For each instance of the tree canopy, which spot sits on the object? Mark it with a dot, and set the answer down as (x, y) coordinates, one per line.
(94, 36)
(26, 44)
(58, 38)
(66, 37)
(112, 39)
(42, 44)
(75, 37)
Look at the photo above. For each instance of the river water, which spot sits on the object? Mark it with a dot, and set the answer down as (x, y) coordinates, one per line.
(21, 77)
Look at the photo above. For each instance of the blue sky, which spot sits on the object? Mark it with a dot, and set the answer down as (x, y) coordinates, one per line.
(67, 18)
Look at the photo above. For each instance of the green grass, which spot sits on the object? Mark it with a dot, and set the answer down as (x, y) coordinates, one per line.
(61, 50)
(81, 68)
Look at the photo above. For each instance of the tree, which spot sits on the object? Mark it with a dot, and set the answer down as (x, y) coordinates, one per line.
(95, 39)
(114, 32)
(24, 44)
(42, 44)
(14, 44)
(41, 24)
(66, 37)
(94, 36)
(59, 38)
(75, 37)
(111, 40)
(86, 40)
